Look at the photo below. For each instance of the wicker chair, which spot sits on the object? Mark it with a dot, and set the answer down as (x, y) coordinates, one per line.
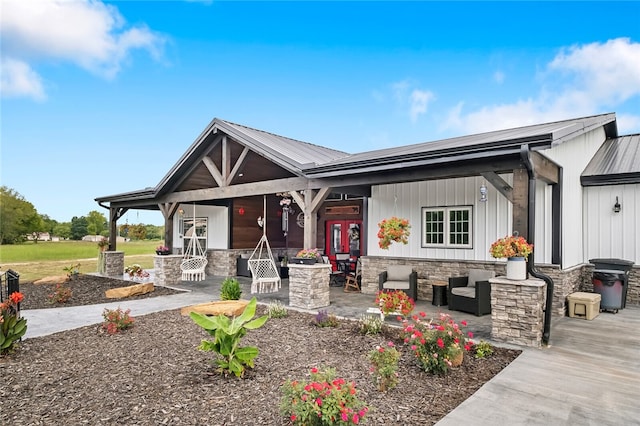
(400, 277)
(472, 293)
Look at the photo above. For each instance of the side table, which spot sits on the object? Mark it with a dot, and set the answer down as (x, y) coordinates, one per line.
(439, 293)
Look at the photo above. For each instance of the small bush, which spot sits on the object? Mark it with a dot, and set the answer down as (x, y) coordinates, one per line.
(483, 349)
(61, 294)
(325, 319)
(116, 320)
(230, 289)
(384, 366)
(370, 324)
(276, 310)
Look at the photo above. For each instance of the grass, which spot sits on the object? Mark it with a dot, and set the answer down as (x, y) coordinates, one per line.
(33, 261)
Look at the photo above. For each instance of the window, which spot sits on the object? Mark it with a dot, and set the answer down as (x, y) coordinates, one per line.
(446, 227)
(188, 226)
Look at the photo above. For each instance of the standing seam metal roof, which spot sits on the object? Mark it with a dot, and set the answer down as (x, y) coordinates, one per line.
(617, 160)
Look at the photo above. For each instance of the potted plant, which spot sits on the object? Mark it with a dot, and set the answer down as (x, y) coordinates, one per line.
(394, 302)
(394, 229)
(162, 250)
(516, 250)
(306, 256)
(135, 271)
(103, 244)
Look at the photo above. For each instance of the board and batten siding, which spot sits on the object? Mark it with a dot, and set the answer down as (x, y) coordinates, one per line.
(573, 156)
(608, 234)
(491, 219)
(217, 225)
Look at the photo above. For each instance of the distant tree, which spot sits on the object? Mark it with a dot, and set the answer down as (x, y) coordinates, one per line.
(96, 223)
(63, 230)
(154, 232)
(78, 227)
(49, 224)
(18, 217)
(137, 232)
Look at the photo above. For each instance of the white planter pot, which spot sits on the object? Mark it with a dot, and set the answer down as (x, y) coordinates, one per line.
(516, 268)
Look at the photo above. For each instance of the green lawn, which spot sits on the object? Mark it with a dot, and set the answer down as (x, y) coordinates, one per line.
(33, 261)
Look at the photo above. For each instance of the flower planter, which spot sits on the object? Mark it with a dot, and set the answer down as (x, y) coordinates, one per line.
(516, 268)
(163, 252)
(303, 260)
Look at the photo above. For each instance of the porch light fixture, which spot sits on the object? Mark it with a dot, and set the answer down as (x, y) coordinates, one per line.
(180, 212)
(483, 193)
(617, 207)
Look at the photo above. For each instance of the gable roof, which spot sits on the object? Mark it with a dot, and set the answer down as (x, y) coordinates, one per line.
(616, 162)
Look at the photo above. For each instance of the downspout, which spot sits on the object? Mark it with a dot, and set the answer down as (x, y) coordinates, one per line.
(525, 155)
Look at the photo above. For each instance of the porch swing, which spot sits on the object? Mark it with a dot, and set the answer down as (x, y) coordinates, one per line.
(194, 261)
(266, 277)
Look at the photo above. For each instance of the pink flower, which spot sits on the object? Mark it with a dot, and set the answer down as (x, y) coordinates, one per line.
(440, 343)
(319, 402)
(390, 344)
(414, 347)
(470, 334)
(314, 370)
(345, 416)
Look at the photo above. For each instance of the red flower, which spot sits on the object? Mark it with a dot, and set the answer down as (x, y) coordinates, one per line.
(314, 370)
(440, 343)
(16, 297)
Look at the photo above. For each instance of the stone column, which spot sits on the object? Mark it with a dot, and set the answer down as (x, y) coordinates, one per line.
(517, 311)
(113, 263)
(309, 285)
(166, 270)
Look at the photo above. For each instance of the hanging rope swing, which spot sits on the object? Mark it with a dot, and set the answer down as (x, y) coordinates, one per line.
(266, 277)
(194, 261)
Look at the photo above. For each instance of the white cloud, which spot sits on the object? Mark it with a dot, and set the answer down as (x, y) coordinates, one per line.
(87, 33)
(581, 80)
(19, 80)
(419, 102)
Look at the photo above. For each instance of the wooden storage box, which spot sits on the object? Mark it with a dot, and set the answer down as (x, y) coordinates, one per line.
(584, 305)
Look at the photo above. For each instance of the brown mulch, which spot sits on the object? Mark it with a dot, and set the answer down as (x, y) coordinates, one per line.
(153, 374)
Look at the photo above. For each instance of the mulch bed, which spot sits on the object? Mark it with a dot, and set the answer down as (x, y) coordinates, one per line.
(153, 374)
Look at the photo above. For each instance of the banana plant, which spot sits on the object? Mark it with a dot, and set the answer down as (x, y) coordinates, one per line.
(226, 338)
(12, 329)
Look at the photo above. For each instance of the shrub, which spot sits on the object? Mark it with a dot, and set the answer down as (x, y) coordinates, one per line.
(12, 327)
(230, 289)
(390, 301)
(370, 324)
(325, 319)
(61, 294)
(72, 270)
(277, 310)
(483, 349)
(226, 338)
(324, 400)
(438, 345)
(384, 366)
(116, 320)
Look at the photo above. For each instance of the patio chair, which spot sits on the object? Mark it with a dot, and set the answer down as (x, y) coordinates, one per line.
(472, 293)
(352, 282)
(400, 277)
(193, 269)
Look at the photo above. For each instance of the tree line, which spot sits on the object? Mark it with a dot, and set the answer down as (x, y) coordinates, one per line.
(20, 221)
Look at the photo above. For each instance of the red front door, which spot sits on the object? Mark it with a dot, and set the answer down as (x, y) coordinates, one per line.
(343, 236)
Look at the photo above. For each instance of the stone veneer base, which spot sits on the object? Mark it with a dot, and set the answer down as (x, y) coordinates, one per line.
(309, 285)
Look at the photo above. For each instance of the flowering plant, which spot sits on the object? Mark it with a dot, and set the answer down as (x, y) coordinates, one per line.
(162, 248)
(511, 246)
(393, 229)
(309, 253)
(136, 271)
(437, 345)
(116, 320)
(12, 327)
(324, 400)
(391, 301)
(384, 366)
(103, 243)
(61, 294)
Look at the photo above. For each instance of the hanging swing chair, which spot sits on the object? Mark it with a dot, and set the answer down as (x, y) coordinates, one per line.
(194, 260)
(266, 277)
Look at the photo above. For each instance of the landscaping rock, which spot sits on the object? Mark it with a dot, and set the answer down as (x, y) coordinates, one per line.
(53, 279)
(231, 308)
(119, 293)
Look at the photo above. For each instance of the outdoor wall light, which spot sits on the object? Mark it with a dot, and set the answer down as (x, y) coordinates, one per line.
(483, 193)
(260, 221)
(617, 207)
(180, 212)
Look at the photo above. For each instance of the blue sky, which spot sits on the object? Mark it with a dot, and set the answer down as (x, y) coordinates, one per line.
(100, 98)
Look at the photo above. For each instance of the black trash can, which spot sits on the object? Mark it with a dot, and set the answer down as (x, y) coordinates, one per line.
(611, 281)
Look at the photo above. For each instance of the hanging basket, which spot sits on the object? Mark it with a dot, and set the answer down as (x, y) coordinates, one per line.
(394, 229)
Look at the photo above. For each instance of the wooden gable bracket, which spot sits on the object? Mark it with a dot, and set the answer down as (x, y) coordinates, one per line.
(168, 211)
(223, 178)
(115, 213)
(500, 184)
(310, 206)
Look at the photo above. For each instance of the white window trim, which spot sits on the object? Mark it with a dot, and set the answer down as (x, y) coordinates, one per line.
(445, 231)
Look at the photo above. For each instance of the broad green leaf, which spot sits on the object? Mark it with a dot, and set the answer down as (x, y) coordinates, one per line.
(226, 345)
(248, 312)
(247, 354)
(256, 323)
(235, 367)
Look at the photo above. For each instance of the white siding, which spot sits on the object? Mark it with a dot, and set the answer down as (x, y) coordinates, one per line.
(608, 234)
(491, 219)
(573, 156)
(217, 225)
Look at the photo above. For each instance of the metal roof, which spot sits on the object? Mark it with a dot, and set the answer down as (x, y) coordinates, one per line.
(616, 162)
(537, 136)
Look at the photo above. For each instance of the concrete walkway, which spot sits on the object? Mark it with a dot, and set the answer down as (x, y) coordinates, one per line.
(589, 375)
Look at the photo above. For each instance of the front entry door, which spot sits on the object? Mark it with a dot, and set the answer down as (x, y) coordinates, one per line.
(343, 236)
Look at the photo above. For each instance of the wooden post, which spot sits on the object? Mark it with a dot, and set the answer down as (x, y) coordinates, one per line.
(521, 202)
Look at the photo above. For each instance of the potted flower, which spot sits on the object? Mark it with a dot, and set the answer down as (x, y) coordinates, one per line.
(306, 256)
(135, 271)
(516, 249)
(103, 244)
(162, 250)
(393, 229)
(394, 302)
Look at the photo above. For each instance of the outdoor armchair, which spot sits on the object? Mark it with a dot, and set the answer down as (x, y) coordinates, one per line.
(400, 277)
(472, 293)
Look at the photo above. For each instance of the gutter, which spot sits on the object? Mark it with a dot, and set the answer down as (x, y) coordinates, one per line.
(525, 155)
